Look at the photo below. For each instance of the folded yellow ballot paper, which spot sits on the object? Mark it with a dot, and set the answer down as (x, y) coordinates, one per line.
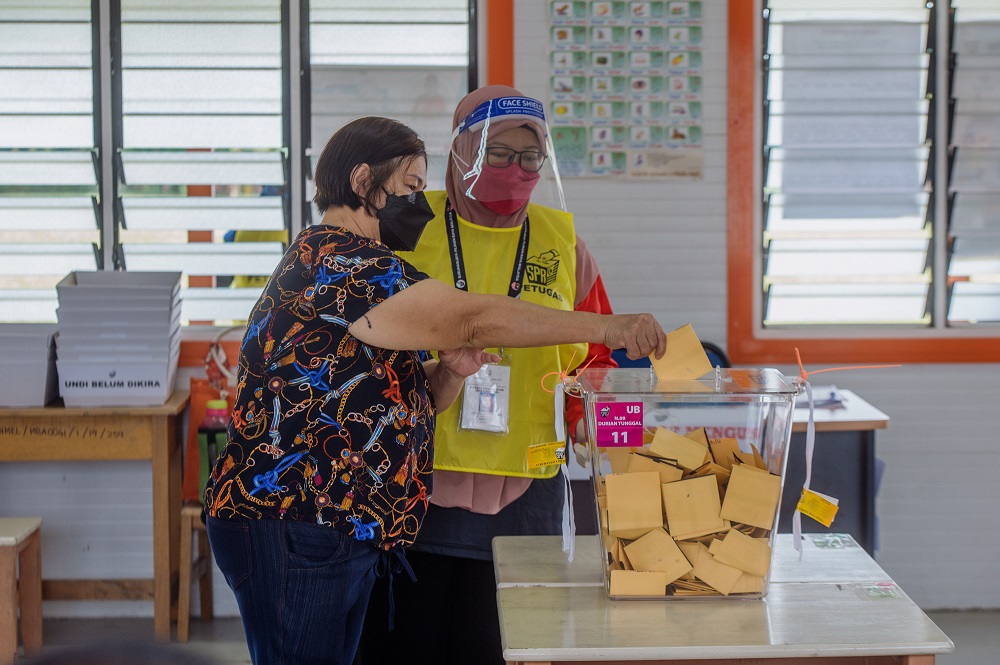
(699, 435)
(748, 554)
(708, 569)
(724, 451)
(684, 359)
(751, 496)
(689, 453)
(638, 462)
(657, 551)
(692, 507)
(634, 504)
(635, 583)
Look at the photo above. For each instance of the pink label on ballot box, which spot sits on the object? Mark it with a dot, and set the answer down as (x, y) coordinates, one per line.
(619, 424)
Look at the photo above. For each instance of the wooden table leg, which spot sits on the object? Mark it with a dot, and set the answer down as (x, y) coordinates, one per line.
(31, 594)
(176, 473)
(164, 554)
(8, 604)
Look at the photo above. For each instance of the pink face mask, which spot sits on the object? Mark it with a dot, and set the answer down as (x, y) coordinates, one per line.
(504, 190)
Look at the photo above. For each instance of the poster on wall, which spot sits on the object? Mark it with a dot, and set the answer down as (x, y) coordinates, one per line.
(625, 86)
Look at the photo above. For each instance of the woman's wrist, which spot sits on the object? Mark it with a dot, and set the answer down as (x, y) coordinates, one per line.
(452, 375)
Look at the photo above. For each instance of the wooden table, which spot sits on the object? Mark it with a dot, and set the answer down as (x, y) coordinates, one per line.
(835, 606)
(57, 434)
(843, 465)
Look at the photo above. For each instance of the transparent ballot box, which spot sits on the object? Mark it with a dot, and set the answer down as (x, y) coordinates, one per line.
(687, 478)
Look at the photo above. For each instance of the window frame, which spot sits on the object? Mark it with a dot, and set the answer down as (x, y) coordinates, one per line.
(748, 342)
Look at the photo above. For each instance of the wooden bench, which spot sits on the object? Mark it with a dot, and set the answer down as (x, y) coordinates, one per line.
(20, 585)
(197, 569)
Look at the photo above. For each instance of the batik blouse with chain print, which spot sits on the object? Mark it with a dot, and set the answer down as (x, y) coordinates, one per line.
(327, 429)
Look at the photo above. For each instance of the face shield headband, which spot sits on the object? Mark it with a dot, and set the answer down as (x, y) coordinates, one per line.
(503, 108)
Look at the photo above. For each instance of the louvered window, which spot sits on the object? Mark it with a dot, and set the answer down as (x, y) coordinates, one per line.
(881, 153)
(144, 135)
(974, 185)
(846, 226)
(49, 213)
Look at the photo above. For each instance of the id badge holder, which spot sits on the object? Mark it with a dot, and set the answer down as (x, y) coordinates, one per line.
(486, 398)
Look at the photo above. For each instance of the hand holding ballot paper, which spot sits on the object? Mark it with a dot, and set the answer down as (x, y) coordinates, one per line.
(684, 359)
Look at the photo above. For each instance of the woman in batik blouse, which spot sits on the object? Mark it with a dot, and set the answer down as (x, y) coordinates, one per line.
(328, 468)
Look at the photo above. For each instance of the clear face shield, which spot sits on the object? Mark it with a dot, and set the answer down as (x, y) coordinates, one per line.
(487, 170)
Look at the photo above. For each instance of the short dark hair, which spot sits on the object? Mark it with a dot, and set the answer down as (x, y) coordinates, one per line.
(382, 143)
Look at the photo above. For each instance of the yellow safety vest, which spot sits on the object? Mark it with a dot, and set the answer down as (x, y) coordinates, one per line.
(550, 280)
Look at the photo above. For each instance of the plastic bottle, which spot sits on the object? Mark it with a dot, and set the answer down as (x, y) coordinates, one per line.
(211, 437)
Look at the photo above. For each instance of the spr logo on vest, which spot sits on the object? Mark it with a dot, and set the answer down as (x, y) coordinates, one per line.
(540, 274)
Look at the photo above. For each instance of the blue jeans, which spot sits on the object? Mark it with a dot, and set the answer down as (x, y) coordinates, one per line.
(302, 588)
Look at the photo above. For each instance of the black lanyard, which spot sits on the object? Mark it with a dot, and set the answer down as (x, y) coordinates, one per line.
(458, 263)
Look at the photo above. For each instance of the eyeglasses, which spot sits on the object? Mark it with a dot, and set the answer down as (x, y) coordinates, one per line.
(529, 160)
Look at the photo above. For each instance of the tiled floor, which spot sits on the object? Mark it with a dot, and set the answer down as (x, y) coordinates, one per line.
(220, 640)
(976, 636)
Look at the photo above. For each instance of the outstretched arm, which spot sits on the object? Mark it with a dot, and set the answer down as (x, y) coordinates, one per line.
(433, 315)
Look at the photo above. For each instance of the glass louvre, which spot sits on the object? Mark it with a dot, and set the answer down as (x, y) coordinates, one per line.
(242, 258)
(973, 302)
(974, 187)
(194, 213)
(203, 162)
(846, 231)
(203, 168)
(861, 214)
(887, 302)
(49, 221)
(395, 58)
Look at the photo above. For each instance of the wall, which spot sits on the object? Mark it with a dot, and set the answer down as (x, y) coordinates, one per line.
(661, 248)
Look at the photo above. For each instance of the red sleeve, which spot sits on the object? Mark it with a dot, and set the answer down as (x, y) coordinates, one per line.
(598, 355)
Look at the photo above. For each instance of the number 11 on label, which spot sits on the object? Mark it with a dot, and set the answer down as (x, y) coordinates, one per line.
(618, 424)
(621, 440)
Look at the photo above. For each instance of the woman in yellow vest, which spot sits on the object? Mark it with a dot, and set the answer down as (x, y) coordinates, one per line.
(498, 453)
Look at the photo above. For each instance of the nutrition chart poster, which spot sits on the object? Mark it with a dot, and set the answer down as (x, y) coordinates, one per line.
(625, 88)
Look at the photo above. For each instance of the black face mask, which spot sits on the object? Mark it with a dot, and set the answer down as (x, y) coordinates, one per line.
(402, 219)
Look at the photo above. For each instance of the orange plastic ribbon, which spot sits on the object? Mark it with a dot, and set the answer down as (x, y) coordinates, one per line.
(564, 374)
(804, 375)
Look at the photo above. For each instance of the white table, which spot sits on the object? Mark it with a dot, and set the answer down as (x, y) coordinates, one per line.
(826, 557)
(520, 561)
(836, 606)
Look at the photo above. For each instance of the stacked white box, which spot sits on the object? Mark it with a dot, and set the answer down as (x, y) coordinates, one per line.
(28, 364)
(119, 337)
